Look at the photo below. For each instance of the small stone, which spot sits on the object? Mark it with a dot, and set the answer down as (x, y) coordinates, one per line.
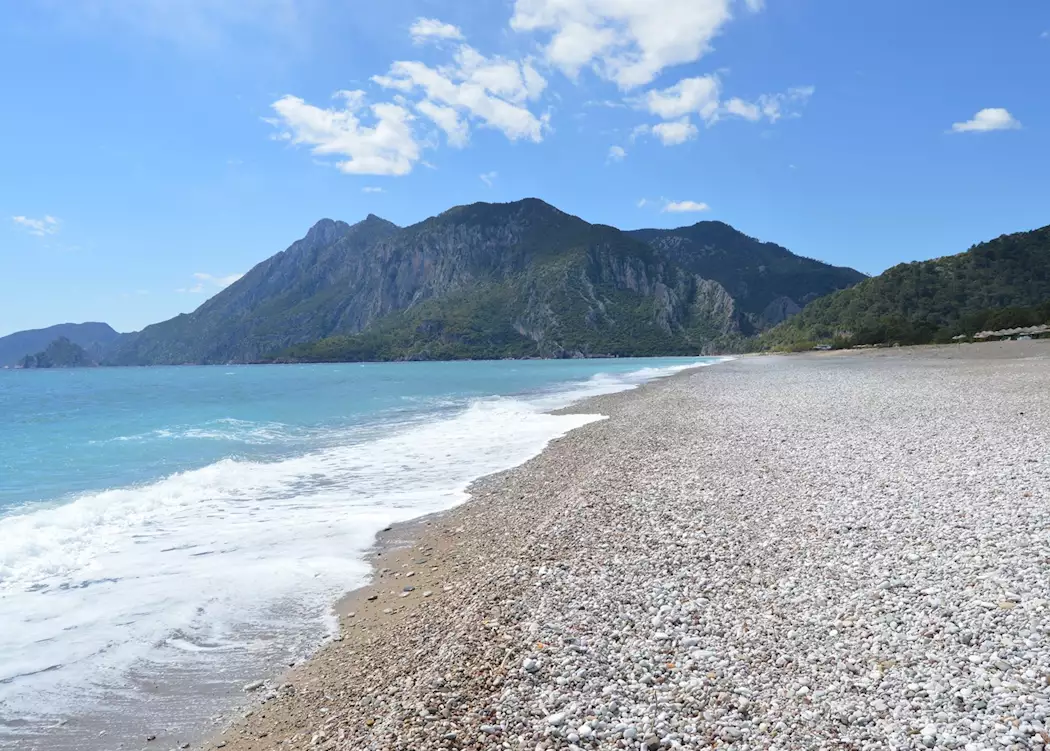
(253, 686)
(530, 665)
(556, 719)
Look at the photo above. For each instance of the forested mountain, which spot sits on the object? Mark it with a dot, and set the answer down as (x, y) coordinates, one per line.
(95, 338)
(486, 280)
(768, 283)
(298, 295)
(61, 353)
(930, 300)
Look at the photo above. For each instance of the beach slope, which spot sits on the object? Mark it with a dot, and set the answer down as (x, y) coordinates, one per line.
(819, 551)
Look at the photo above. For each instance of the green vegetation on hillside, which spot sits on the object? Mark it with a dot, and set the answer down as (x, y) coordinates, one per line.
(520, 279)
(61, 353)
(767, 281)
(1003, 280)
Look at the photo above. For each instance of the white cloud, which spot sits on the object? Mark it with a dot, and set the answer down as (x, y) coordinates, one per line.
(388, 147)
(489, 178)
(699, 95)
(992, 118)
(209, 283)
(1045, 35)
(617, 153)
(772, 107)
(675, 133)
(457, 130)
(48, 225)
(217, 281)
(702, 96)
(626, 41)
(756, 6)
(640, 131)
(427, 29)
(684, 207)
(643, 202)
(493, 90)
(371, 189)
(775, 106)
(747, 110)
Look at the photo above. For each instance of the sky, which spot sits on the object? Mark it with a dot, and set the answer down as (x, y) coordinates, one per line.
(152, 151)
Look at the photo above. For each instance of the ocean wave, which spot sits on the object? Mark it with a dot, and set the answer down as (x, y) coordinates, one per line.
(190, 567)
(225, 429)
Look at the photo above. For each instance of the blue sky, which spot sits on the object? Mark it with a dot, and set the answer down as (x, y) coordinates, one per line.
(151, 151)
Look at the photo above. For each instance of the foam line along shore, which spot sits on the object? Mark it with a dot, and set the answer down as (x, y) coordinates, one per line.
(844, 568)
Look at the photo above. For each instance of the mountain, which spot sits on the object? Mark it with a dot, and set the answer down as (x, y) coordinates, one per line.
(931, 300)
(487, 280)
(95, 338)
(298, 295)
(768, 283)
(61, 353)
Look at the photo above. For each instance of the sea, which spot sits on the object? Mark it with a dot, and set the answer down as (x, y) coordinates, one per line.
(167, 534)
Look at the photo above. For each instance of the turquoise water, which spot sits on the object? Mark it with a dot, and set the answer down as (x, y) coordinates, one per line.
(200, 521)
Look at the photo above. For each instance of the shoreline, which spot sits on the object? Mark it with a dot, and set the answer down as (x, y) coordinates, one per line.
(420, 553)
(451, 670)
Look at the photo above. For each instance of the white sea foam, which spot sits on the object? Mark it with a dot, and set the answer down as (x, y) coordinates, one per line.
(236, 558)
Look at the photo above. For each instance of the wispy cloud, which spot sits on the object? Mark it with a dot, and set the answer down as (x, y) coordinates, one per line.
(48, 225)
(489, 178)
(643, 202)
(209, 283)
(617, 153)
(372, 189)
(429, 29)
(684, 207)
(988, 119)
(701, 97)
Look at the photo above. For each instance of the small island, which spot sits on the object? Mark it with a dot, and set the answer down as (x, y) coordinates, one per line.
(61, 353)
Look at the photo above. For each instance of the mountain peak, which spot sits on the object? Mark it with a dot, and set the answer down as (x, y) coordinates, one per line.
(325, 232)
(376, 221)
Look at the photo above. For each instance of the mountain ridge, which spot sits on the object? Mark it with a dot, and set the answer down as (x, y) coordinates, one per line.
(94, 337)
(547, 283)
(773, 285)
(927, 301)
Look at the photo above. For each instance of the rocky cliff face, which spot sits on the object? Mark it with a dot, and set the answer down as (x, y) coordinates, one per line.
(486, 280)
(767, 282)
(563, 287)
(295, 296)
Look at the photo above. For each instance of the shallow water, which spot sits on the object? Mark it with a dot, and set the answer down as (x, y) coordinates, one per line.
(170, 527)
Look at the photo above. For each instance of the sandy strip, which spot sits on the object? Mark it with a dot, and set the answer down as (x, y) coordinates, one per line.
(848, 550)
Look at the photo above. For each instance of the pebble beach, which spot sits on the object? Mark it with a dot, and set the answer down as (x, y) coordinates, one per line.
(823, 551)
